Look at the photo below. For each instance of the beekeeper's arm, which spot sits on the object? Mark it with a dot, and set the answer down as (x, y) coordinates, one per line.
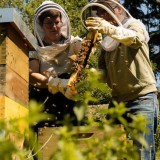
(134, 36)
(36, 79)
(60, 85)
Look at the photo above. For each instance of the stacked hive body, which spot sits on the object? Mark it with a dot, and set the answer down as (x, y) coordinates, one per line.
(15, 42)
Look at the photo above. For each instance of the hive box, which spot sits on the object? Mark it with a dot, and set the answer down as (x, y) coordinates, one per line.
(48, 139)
(82, 136)
(16, 40)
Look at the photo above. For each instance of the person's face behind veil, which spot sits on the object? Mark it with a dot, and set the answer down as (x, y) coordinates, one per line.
(105, 15)
(52, 27)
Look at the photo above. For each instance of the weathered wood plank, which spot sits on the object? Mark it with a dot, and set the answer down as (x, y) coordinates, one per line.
(13, 56)
(7, 30)
(13, 86)
(2, 79)
(16, 87)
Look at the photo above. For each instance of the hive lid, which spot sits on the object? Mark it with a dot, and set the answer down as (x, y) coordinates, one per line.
(11, 15)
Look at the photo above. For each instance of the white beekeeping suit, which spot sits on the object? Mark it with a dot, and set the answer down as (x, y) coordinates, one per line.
(55, 58)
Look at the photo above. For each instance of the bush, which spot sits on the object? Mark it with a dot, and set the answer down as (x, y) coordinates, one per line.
(111, 145)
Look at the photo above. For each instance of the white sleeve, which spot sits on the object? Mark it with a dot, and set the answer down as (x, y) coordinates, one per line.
(134, 35)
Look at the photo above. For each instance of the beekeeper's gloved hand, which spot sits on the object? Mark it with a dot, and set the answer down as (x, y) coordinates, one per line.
(53, 85)
(60, 85)
(121, 34)
(96, 35)
(97, 23)
(65, 89)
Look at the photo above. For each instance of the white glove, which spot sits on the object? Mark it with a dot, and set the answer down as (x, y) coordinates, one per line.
(60, 85)
(122, 35)
(65, 89)
(97, 23)
(53, 85)
(91, 36)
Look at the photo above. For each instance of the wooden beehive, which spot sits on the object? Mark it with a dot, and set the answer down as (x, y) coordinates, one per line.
(16, 40)
(48, 138)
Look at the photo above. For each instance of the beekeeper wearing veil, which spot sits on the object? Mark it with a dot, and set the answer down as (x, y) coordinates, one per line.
(50, 65)
(126, 64)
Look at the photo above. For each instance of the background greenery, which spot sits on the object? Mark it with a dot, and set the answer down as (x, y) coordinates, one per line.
(111, 145)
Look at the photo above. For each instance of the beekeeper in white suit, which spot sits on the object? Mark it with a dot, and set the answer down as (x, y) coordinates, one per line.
(50, 65)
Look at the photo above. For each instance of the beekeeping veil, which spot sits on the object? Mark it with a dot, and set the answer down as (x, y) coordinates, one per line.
(93, 8)
(45, 51)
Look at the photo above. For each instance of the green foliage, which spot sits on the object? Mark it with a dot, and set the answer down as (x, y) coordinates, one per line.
(20, 129)
(73, 8)
(9, 3)
(91, 89)
(111, 143)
